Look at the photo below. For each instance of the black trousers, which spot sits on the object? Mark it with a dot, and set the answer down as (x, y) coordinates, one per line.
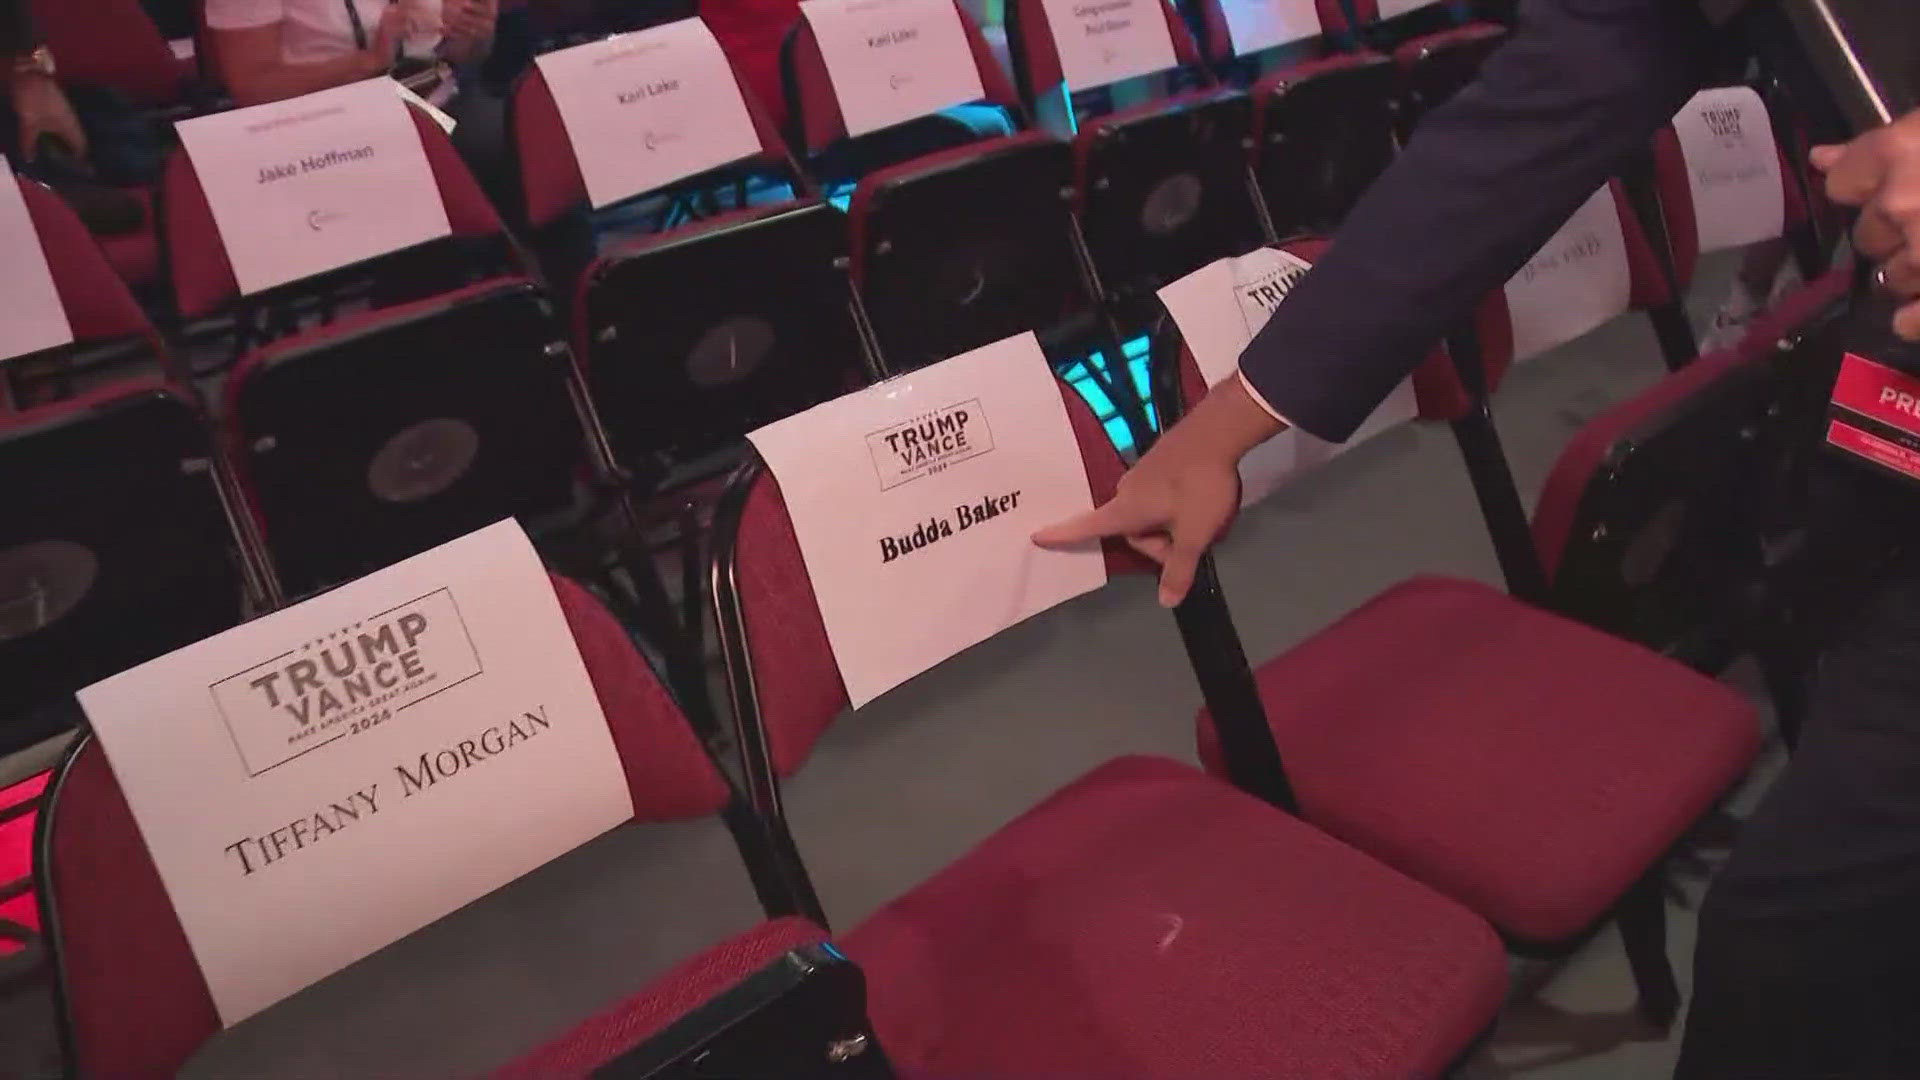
(1808, 962)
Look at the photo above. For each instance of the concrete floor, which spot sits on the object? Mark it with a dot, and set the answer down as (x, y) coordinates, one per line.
(916, 778)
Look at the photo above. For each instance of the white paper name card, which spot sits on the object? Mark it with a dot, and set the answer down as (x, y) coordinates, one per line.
(914, 502)
(1107, 41)
(324, 780)
(649, 108)
(1219, 308)
(1733, 167)
(893, 60)
(1391, 8)
(314, 183)
(1253, 25)
(1579, 281)
(31, 315)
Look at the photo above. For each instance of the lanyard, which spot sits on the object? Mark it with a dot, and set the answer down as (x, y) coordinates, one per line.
(359, 28)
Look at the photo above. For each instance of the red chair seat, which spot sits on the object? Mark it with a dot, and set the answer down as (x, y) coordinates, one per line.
(16, 860)
(690, 984)
(1136, 923)
(1523, 764)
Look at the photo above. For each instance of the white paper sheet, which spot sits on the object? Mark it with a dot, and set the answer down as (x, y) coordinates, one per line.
(1219, 308)
(914, 502)
(1733, 167)
(893, 60)
(649, 108)
(322, 781)
(1107, 41)
(314, 183)
(1253, 25)
(1392, 8)
(1579, 281)
(31, 315)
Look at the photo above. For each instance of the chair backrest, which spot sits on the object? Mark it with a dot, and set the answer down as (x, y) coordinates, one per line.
(551, 185)
(202, 275)
(377, 436)
(1679, 215)
(1649, 287)
(786, 683)
(1036, 57)
(134, 1002)
(815, 122)
(1323, 132)
(680, 369)
(115, 546)
(1654, 517)
(98, 305)
(965, 247)
(752, 33)
(115, 45)
(1437, 66)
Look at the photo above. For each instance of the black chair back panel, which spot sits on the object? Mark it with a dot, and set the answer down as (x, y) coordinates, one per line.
(367, 447)
(963, 256)
(697, 342)
(114, 548)
(1323, 142)
(1166, 193)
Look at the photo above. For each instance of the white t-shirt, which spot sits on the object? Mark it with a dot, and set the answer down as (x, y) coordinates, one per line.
(317, 30)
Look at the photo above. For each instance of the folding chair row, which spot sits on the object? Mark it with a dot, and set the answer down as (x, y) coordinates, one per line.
(1345, 968)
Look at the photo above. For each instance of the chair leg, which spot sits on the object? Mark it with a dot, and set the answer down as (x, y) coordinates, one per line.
(1643, 927)
(1786, 675)
(1678, 345)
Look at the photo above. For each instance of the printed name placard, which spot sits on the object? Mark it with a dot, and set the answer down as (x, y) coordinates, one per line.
(31, 315)
(1733, 168)
(914, 501)
(1253, 25)
(1579, 281)
(1219, 308)
(649, 108)
(314, 183)
(1391, 8)
(1107, 41)
(893, 60)
(326, 779)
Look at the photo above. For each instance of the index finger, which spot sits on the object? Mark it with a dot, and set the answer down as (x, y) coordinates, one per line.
(1858, 171)
(1116, 518)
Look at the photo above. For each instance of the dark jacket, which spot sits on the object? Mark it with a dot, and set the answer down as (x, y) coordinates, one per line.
(1581, 87)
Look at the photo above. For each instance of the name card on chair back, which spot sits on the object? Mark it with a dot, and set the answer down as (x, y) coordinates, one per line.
(1579, 280)
(1393, 8)
(326, 779)
(1108, 41)
(914, 501)
(643, 110)
(1733, 168)
(31, 315)
(1218, 310)
(314, 183)
(1254, 25)
(893, 60)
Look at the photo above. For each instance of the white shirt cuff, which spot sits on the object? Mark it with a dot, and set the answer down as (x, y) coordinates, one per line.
(1247, 385)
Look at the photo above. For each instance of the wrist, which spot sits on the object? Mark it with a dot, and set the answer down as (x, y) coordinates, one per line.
(1231, 422)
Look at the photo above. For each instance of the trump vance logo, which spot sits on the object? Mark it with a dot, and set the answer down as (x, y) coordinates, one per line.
(345, 682)
(929, 443)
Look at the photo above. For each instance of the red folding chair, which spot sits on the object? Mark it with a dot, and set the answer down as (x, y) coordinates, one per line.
(1532, 768)
(22, 952)
(1438, 49)
(1807, 217)
(1677, 519)
(1161, 188)
(554, 204)
(109, 328)
(479, 413)
(1140, 921)
(1323, 132)
(132, 1001)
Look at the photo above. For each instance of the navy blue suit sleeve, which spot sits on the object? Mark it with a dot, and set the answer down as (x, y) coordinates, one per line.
(1485, 181)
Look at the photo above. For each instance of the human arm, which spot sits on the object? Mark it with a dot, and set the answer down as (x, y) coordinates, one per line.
(255, 71)
(40, 106)
(1580, 88)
